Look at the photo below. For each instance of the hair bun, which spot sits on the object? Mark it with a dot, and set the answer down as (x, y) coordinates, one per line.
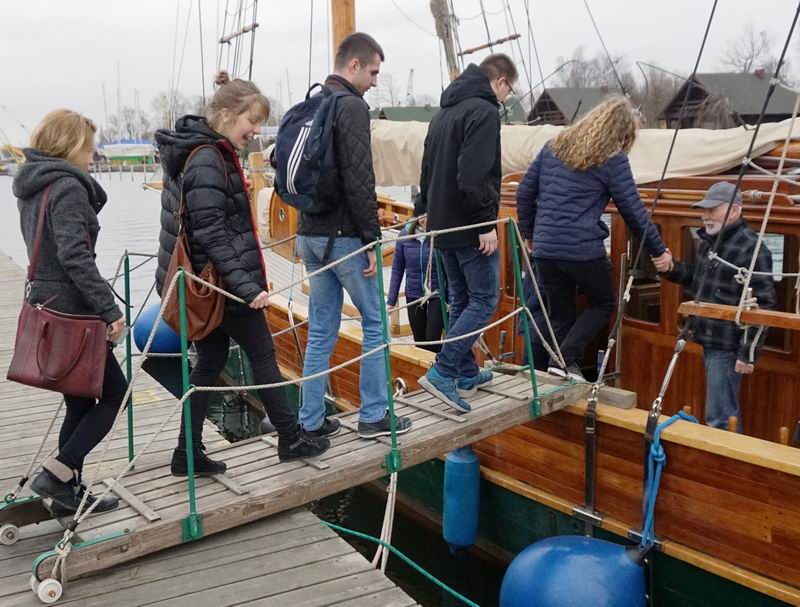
(222, 77)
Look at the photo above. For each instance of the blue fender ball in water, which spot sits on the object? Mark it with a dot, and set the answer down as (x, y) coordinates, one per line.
(462, 478)
(573, 571)
(166, 341)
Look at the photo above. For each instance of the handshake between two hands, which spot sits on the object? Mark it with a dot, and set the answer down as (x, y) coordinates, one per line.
(663, 262)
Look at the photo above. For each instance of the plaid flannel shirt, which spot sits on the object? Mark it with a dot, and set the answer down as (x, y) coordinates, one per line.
(737, 246)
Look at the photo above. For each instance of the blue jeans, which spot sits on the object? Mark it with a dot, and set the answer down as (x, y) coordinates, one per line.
(324, 318)
(722, 387)
(473, 284)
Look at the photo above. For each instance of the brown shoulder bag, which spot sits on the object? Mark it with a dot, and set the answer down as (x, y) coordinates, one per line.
(205, 307)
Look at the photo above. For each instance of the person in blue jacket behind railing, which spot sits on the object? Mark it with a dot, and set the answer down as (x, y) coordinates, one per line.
(560, 202)
(413, 258)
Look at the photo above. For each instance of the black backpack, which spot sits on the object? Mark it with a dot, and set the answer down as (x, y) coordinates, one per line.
(304, 150)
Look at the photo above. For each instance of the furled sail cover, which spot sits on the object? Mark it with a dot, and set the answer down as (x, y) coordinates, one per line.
(397, 149)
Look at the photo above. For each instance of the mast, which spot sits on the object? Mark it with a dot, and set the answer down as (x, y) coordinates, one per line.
(444, 29)
(343, 18)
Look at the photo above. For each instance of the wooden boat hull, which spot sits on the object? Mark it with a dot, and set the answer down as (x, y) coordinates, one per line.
(728, 504)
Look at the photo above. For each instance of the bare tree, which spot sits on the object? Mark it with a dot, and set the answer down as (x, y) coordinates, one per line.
(581, 71)
(167, 108)
(657, 89)
(387, 93)
(747, 51)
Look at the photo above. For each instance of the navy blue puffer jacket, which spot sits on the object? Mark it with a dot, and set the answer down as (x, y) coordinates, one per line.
(561, 208)
(411, 257)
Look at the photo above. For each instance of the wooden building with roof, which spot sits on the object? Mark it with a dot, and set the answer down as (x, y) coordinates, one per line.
(725, 100)
(564, 105)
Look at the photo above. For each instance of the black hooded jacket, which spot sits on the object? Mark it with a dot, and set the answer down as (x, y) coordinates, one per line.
(218, 218)
(460, 180)
(66, 277)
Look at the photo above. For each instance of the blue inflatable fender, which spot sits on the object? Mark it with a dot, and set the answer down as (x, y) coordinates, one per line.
(166, 341)
(574, 571)
(461, 498)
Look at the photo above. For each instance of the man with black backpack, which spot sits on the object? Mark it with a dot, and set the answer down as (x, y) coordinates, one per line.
(338, 215)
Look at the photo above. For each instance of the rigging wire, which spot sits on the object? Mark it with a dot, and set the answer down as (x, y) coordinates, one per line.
(456, 37)
(310, 41)
(183, 52)
(421, 28)
(14, 118)
(252, 40)
(532, 41)
(526, 68)
(171, 96)
(202, 60)
(508, 28)
(329, 42)
(486, 25)
(497, 12)
(605, 49)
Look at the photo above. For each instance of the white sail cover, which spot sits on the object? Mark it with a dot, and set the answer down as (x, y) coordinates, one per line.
(397, 149)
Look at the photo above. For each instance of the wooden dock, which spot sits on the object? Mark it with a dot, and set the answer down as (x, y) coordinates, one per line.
(287, 559)
(256, 485)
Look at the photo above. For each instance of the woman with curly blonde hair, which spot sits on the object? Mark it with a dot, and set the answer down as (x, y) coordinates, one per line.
(560, 203)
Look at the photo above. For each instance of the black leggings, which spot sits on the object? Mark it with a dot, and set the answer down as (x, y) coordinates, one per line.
(426, 322)
(251, 332)
(561, 281)
(88, 420)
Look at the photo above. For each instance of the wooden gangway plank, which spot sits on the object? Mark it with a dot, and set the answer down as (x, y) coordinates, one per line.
(124, 534)
(768, 318)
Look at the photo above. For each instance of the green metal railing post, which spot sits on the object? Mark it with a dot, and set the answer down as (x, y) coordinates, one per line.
(393, 459)
(536, 409)
(192, 524)
(440, 279)
(129, 353)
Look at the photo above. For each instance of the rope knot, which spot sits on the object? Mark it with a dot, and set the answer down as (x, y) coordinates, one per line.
(741, 275)
(658, 454)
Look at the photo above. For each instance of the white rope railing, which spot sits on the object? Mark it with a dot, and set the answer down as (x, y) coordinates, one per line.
(64, 546)
(767, 212)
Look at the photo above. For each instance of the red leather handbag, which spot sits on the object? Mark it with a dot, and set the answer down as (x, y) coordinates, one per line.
(56, 351)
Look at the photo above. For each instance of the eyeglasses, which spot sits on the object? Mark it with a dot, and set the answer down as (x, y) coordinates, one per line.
(510, 88)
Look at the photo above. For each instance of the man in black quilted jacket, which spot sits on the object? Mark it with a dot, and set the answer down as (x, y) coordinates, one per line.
(729, 351)
(324, 238)
(460, 186)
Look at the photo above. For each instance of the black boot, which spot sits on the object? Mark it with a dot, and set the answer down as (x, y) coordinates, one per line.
(109, 502)
(203, 465)
(63, 494)
(301, 445)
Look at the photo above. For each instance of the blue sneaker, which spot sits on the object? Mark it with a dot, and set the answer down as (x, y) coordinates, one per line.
(444, 389)
(467, 386)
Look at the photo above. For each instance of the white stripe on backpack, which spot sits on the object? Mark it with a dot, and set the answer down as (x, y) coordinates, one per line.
(294, 158)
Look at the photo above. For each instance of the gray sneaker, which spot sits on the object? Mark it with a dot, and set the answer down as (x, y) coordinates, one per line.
(381, 428)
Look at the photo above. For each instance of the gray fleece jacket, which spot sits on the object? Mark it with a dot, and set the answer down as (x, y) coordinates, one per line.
(66, 273)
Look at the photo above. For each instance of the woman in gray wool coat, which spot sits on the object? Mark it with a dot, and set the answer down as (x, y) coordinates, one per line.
(67, 280)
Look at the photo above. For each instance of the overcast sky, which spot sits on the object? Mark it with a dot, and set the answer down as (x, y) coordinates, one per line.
(59, 54)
